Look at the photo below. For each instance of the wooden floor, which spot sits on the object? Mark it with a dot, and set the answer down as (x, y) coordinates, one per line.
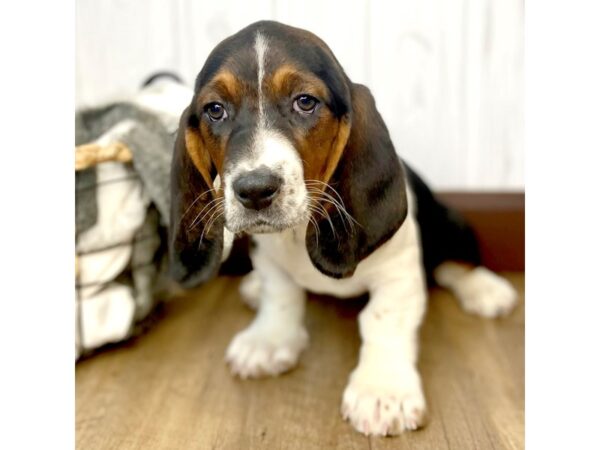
(170, 389)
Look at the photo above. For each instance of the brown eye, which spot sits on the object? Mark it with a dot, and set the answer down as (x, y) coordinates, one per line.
(305, 104)
(215, 111)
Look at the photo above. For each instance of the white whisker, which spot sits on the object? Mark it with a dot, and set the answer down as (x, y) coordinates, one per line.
(328, 198)
(217, 202)
(324, 213)
(194, 202)
(339, 203)
(210, 223)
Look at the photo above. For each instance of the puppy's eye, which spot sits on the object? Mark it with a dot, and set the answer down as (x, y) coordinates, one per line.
(215, 112)
(305, 104)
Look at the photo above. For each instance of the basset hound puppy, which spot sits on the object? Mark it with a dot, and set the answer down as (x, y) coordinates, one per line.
(278, 143)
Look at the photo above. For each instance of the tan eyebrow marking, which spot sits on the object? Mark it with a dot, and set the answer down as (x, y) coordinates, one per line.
(288, 78)
(228, 82)
(201, 159)
(225, 84)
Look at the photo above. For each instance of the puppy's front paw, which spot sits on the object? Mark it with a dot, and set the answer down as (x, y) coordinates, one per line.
(486, 294)
(261, 351)
(384, 403)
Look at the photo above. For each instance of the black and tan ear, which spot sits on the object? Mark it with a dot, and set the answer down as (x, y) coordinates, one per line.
(194, 249)
(370, 180)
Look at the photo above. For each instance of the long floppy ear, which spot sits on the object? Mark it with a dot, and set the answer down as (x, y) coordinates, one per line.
(194, 249)
(371, 183)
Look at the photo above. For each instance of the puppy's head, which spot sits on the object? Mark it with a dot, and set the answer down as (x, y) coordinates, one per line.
(276, 136)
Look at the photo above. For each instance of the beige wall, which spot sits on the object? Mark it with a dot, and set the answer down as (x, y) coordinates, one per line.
(446, 74)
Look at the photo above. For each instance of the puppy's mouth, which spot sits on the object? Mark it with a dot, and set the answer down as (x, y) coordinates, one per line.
(265, 221)
(263, 226)
(264, 201)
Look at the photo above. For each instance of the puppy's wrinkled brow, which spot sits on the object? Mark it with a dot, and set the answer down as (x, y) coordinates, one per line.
(289, 79)
(225, 85)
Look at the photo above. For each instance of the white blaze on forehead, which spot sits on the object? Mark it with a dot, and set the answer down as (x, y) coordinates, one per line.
(271, 149)
(260, 46)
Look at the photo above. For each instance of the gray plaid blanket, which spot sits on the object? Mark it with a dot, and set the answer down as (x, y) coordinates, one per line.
(122, 210)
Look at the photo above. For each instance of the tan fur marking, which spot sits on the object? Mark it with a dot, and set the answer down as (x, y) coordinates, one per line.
(289, 79)
(281, 78)
(201, 159)
(321, 148)
(224, 86)
(227, 81)
(336, 151)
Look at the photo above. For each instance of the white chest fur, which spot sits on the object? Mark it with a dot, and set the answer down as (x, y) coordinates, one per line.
(288, 250)
(384, 394)
(389, 262)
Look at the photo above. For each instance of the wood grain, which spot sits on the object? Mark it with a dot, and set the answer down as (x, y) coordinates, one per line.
(170, 388)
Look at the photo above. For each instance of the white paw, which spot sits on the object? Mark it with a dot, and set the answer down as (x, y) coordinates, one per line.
(384, 403)
(484, 293)
(262, 350)
(250, 290)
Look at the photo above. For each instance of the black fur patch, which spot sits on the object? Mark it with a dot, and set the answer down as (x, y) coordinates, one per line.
(370, 180)
(194, 253)
(444, 233)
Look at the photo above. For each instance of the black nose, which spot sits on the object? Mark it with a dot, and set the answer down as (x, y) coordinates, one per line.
(257, 189)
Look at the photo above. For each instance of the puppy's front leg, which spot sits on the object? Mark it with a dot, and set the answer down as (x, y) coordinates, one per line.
(384, 395)
(274, 340)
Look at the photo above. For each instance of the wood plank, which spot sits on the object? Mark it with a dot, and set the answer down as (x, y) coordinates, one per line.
(171, 389)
